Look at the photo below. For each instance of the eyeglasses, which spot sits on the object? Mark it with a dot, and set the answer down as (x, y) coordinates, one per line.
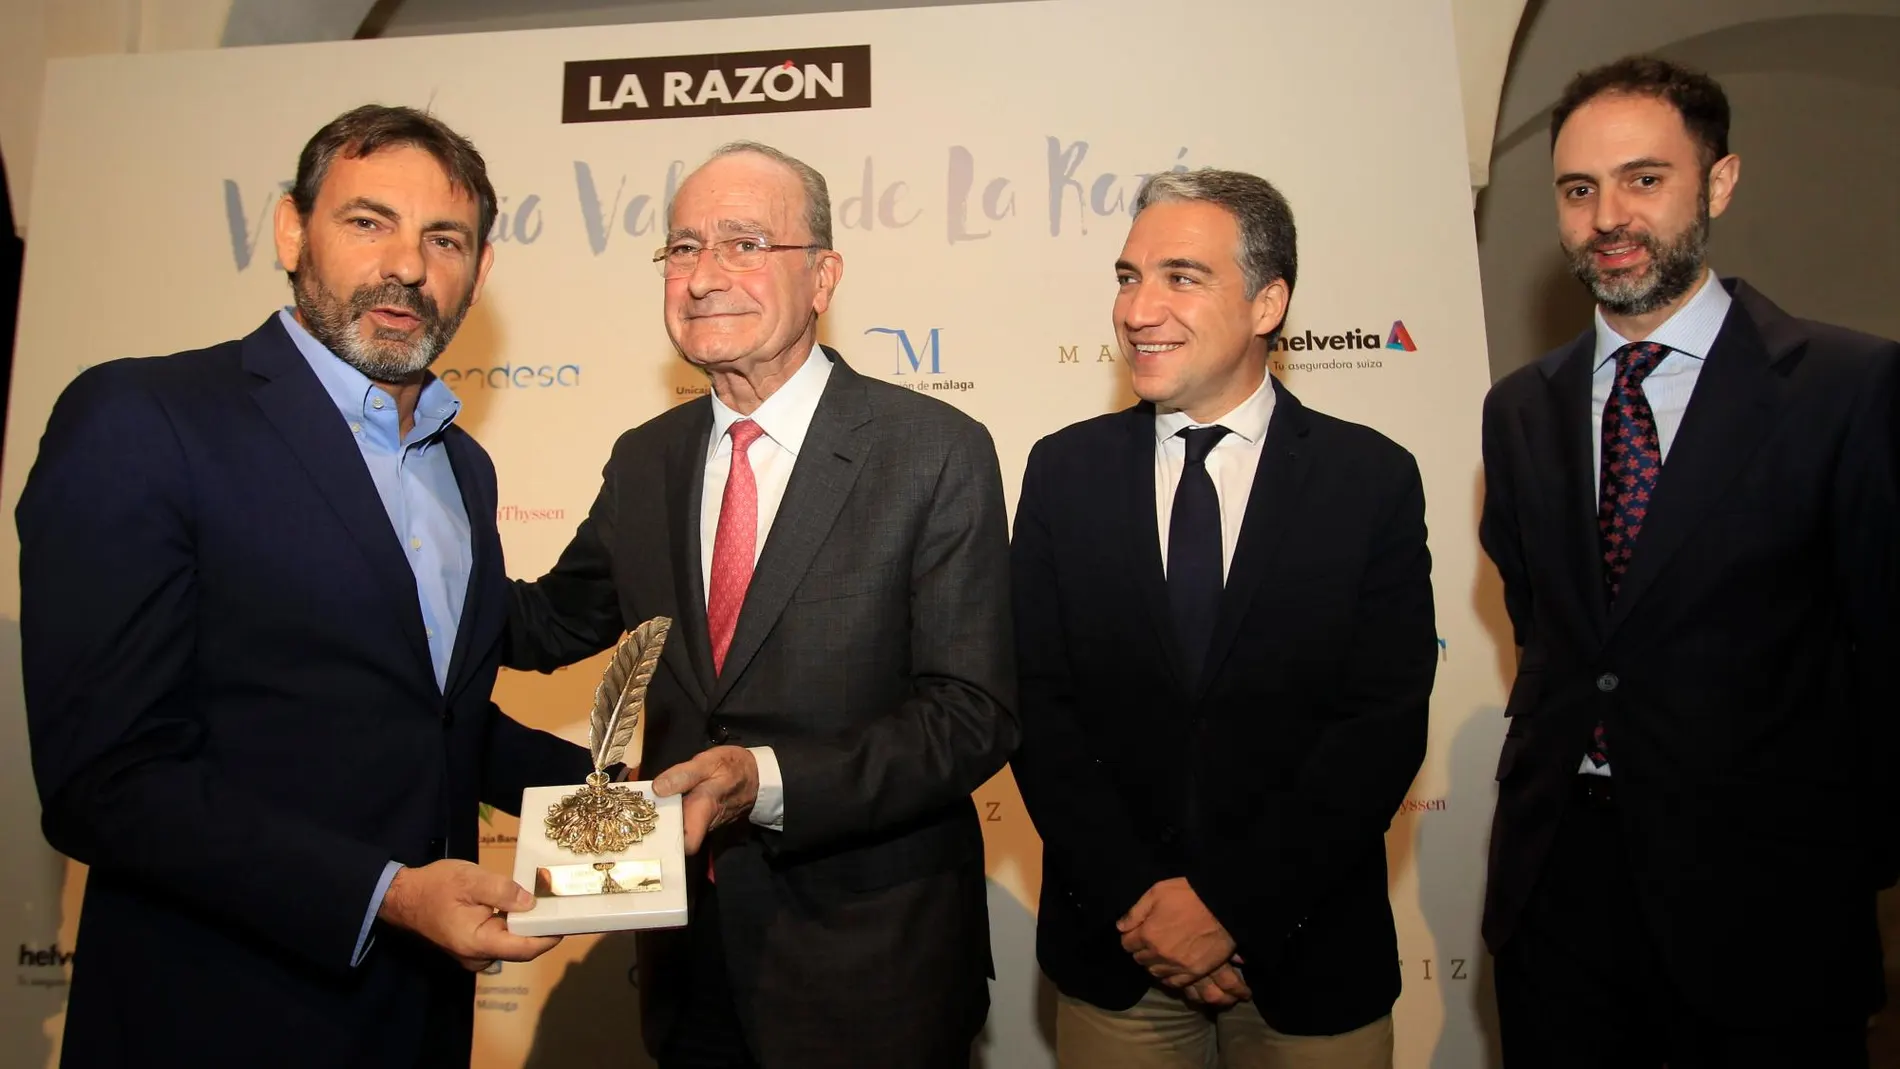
(733, 254)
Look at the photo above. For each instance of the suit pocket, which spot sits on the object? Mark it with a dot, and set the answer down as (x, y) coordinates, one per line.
(1526, 690)
(1507, 757)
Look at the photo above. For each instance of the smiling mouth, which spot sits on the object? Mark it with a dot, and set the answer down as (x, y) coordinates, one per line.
(395, 317)
(1618, 255)
(1157, 348)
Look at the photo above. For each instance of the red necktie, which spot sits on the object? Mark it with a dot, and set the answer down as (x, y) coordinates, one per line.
(733, 544)
(1632, 462)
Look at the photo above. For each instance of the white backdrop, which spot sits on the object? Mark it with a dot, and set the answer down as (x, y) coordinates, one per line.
(980, 203)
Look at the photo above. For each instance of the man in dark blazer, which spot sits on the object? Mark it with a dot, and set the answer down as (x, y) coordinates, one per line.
(262, 602)
(1224, 628)
(833, 552)
(1692, 506)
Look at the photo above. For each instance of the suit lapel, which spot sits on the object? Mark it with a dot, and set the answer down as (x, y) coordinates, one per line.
(1720, 432)
(1568, 443)
(689, 649)
(296, 405)
(1144, 532)
(827, 468)
(1272, 504)
(484, 548)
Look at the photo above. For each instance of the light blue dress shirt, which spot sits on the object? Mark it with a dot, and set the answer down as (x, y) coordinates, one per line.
(417, 485)
(1689, 334)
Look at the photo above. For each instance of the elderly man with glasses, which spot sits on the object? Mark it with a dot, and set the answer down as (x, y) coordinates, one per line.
(833, 552)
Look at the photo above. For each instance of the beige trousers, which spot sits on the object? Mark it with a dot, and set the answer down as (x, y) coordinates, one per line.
(1163, 1032)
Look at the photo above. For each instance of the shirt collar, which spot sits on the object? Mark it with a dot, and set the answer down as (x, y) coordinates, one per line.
(1248, 420)
(785, 416)
(1691, 331)
(350, 389)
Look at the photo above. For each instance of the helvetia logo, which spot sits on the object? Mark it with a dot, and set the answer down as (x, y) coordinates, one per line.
(44, 957)
(1400, 338)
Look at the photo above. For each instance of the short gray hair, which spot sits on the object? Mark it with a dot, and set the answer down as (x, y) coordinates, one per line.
(817, 194)
(1269, 245)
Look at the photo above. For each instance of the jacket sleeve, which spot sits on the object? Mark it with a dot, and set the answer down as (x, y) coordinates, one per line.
(959, 724)
(108, 603)
(1076, 808)
(1865, 522)
(572, 612)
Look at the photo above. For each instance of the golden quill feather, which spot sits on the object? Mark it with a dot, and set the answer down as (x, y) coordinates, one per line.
(603, 817)
(621, 696)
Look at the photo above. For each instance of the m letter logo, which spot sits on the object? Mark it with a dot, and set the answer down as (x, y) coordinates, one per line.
(737, 83)
(907, 352)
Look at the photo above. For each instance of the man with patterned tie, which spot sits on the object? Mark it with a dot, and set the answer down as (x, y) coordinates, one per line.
(1692, 507)
(834, 554)
(1225, 637)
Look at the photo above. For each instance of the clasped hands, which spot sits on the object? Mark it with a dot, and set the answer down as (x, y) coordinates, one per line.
(1173, 935)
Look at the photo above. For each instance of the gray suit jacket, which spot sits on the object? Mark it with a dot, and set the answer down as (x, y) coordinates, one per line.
(874, 654)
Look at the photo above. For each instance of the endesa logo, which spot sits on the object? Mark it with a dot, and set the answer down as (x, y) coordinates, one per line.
(512, 377)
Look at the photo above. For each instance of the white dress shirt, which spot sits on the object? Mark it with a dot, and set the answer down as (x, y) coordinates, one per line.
(1231, 464)
(784, 418)
(1689, 334)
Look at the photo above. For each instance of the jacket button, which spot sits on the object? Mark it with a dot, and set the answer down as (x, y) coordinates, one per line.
(719, 735)
(1607, 682)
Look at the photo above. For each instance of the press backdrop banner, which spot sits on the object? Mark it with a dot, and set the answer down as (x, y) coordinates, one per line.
(982, 161)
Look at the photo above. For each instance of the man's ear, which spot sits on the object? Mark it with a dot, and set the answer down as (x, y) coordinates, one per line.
(1723, 177)
(830, 268)
(1269, 307)
(287, 232)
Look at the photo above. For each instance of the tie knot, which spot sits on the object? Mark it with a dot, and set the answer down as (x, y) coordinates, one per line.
(1636, 360)
(1201, 441)
(743, 434)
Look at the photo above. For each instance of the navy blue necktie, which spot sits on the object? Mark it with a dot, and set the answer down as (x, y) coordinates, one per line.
(1194, 550)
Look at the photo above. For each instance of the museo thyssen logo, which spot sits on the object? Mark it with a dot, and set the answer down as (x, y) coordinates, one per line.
(732, 83)
(917, 360)
(1351, 350)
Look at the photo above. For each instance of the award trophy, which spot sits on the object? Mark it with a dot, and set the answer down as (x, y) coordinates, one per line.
(604, 856)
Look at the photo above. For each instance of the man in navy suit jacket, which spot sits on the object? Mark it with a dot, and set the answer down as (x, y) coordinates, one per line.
(1694, 509)
(262, 599)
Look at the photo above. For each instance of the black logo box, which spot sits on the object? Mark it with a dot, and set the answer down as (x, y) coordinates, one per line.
(753, 81)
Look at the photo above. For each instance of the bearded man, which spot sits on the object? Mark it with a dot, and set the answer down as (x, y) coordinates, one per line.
(1692, 506)
(262, 602)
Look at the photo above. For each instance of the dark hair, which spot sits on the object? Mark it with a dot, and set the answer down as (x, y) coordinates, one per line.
(1269, 244)
(371, 128)
(1695, 96)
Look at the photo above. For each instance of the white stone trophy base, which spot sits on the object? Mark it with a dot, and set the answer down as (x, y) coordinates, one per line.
(580, 914)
